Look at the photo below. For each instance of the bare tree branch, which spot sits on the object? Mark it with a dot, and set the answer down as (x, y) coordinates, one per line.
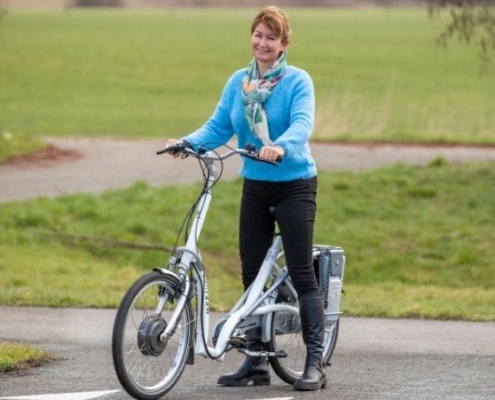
(470, 20)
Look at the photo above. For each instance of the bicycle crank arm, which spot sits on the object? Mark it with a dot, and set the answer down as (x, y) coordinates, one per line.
(277, 354)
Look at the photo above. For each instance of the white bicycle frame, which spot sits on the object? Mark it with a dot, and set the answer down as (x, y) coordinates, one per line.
(254, 301)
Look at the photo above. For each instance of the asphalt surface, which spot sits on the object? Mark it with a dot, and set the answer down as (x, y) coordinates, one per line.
(374, 359)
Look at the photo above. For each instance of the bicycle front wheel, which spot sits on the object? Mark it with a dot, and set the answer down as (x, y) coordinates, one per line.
(146, 366)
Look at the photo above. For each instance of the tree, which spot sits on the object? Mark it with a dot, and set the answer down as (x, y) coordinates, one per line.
(470, 20)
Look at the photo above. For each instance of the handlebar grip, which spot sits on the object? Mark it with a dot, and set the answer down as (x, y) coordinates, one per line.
(179, 146)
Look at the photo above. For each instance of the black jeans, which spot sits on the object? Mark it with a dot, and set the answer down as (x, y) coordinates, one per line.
(295, 211)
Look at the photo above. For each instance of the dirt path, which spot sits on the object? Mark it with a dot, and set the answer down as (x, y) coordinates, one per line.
(96, 165)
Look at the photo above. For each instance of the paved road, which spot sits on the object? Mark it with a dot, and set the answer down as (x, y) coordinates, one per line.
(375, 359)
(95, 165)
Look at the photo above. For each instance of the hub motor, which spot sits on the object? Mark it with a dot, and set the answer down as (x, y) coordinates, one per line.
(149, 334)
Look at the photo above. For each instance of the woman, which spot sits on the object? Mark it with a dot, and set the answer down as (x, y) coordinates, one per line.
(271, 105)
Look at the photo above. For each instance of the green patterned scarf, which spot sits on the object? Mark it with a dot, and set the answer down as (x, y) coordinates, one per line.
(256, 91)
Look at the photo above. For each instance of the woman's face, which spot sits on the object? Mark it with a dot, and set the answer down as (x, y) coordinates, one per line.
(265, 46)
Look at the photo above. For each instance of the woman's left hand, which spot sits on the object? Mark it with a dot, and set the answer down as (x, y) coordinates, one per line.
(271, 153)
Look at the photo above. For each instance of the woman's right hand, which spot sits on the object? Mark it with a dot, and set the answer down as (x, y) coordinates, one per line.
(171, 143)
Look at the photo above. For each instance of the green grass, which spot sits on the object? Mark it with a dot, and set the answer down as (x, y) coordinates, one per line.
(15, 145)
(418, 241)
(379, 76)
(15, 356)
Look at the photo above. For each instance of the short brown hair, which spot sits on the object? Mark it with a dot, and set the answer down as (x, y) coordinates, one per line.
(276, 20)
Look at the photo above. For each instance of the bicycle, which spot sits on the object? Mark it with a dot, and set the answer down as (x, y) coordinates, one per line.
(163, 318)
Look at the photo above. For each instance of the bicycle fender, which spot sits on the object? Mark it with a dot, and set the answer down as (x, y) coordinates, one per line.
(166, 272)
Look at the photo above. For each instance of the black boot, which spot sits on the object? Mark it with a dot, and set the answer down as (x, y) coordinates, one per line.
(311, 314)
(254, 369)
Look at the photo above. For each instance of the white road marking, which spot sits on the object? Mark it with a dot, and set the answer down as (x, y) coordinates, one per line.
(278, 398)
(88, 396)
(63, 396)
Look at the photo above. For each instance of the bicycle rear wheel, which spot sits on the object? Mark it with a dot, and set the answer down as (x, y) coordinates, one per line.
(286, 335)
(147, 367)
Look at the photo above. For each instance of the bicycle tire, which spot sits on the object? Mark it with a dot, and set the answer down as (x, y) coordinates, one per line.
(146, 367)
(286, 335)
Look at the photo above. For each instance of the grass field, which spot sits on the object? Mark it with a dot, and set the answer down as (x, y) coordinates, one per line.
(379, 75)
(419, 242)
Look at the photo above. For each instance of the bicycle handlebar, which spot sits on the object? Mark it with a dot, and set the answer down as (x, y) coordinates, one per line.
(248, 151)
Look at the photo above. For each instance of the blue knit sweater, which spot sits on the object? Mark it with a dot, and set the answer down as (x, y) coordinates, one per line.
(290, 114)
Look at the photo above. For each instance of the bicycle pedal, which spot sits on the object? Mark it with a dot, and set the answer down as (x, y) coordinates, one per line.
(280, 354)
(238, 342)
